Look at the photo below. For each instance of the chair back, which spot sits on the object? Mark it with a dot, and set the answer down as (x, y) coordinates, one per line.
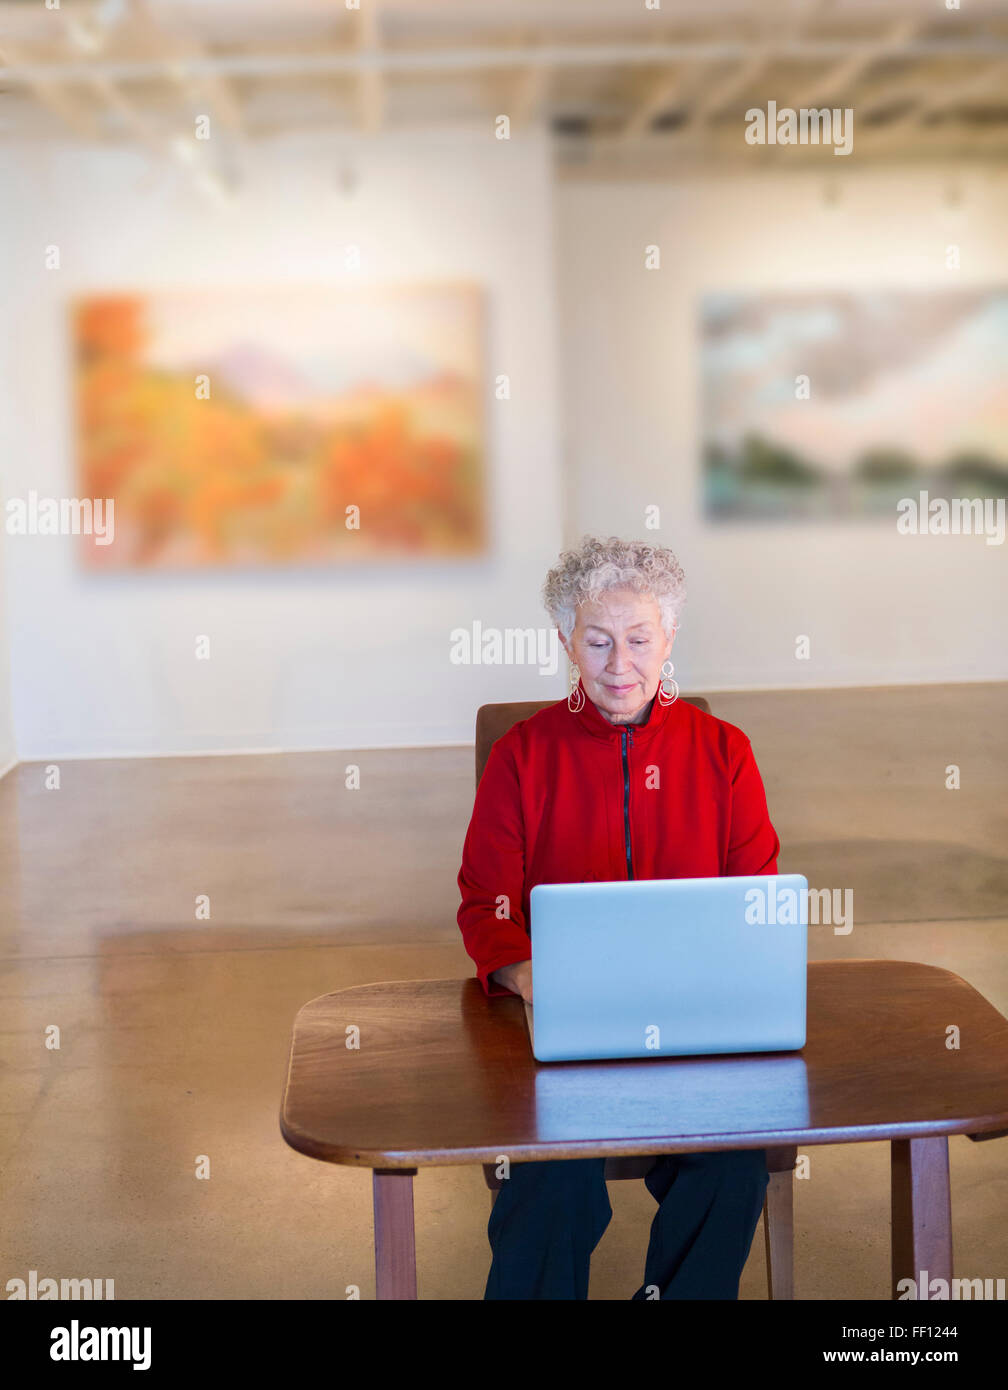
(493, 721)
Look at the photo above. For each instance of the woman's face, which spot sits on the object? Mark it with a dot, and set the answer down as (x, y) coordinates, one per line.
(619, 647)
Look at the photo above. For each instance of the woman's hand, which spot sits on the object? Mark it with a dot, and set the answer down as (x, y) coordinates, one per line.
(517, 977)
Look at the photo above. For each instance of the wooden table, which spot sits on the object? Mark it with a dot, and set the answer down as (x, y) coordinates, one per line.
(444, 1075)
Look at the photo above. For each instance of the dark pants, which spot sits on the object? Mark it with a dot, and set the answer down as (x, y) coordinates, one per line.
(548, 1218)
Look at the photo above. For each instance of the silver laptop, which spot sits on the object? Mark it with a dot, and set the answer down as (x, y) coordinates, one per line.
(668, 967)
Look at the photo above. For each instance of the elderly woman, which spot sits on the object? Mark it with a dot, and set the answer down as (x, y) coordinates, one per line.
(568, 796)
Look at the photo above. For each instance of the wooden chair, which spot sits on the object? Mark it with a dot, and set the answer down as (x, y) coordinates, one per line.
(778, 1207)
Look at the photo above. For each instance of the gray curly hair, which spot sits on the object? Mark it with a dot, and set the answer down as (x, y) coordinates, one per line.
(600, 565)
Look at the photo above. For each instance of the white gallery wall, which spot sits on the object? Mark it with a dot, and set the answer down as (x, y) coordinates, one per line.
(878, 608)
(7, 750)
(602, 423)
(105, 663)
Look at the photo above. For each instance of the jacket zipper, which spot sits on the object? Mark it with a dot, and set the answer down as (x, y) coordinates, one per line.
(626, 800)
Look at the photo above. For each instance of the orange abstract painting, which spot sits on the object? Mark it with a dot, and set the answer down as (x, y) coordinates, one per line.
(283, 426)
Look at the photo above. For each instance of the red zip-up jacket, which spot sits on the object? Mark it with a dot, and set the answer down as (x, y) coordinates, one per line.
(572, 798)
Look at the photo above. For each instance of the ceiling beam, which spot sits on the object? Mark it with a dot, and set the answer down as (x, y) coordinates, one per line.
(839, 79)
(667, 91)
(609, 157)
(719, 94)
(927, 102)
(271, 64)
(370, 78)
(529, 94)
(49, 94)
(179, 49)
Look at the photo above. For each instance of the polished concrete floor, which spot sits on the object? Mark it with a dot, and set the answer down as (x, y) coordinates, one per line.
(174, 1031)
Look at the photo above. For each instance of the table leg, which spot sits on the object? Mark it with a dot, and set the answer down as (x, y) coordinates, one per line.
(395, 1241)
(778, 1230)
(921, 1213)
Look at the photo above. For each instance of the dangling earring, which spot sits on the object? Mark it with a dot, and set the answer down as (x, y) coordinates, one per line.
(576, 699)
(666, 697)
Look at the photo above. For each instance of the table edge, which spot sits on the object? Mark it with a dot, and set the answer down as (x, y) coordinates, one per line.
(349, 1156)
